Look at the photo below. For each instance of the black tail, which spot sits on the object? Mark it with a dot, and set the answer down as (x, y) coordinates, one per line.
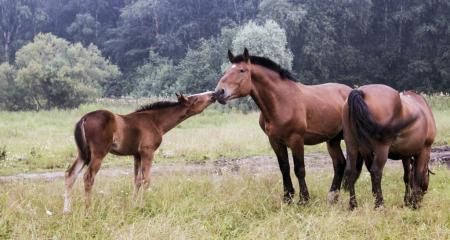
(80, 139)
(365, 127)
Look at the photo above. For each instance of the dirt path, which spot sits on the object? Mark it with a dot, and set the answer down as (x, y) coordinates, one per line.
(258, 164)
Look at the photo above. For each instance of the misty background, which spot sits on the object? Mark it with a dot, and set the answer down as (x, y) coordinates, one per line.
(62, 53)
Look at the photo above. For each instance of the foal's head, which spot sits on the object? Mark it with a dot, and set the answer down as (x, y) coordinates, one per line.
(196, 103)
(236, 82)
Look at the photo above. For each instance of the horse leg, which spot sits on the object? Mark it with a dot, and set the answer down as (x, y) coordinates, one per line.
(299, 168)
(406, 179)
(420, 176)
(353, 168)
(283, 162)
(335, 151)
(70, 178)
(376, 173)
(89, 175)
(137, 175)
(146, 164)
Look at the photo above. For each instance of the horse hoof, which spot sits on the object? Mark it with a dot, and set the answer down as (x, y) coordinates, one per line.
(379, 207)
(287, 200)
(333, 197)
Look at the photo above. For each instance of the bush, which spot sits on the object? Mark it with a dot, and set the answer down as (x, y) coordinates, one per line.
(52, 72)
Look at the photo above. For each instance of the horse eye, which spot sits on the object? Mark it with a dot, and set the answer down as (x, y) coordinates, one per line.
(242, 70)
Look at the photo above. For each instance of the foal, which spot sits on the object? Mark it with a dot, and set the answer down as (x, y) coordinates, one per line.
(139, 134)
(380, 123)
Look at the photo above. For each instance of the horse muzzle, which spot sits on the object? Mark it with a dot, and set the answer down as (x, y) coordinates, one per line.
(220, 96)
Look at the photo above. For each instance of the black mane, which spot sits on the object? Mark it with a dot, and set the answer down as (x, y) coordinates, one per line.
(157, 105)
(267, 63)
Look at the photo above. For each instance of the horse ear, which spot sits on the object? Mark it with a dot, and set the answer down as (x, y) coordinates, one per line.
(246, 55)
(181, 97)
(230, 55)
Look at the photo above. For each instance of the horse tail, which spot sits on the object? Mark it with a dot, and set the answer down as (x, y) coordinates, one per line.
(80, 139)
(364, 126)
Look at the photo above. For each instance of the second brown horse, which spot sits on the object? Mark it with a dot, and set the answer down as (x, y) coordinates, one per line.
(138, 134)
(380, 122)
(292, 114)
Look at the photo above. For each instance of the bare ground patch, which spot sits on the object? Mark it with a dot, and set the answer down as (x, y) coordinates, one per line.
(256, 164)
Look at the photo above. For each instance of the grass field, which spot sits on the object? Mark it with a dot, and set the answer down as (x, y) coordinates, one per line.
(199, 206)
(43, 141)
(231, 206)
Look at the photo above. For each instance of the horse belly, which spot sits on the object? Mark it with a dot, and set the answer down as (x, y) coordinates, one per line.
(405, 147)
(123, 145)
(313, 139)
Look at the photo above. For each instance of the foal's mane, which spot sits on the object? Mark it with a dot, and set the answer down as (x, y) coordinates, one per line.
(157, 105)
(267, 63)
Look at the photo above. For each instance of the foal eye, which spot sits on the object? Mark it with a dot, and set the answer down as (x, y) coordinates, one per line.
(242, 70)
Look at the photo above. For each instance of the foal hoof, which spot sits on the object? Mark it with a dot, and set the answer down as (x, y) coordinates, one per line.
(333, 197)
(66, 211)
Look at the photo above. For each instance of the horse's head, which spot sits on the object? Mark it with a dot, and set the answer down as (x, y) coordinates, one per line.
(236, 82)
(196, 103)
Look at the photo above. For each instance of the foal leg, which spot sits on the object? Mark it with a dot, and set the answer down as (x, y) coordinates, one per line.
(335, 151)
(406, 179)
(137, 175)
(299, 168)
(89, 175)
(283, 162)
(70, 178)
(146, 165)
(376, 173)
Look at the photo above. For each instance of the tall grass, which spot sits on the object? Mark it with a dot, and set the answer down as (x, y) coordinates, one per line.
(231, 206)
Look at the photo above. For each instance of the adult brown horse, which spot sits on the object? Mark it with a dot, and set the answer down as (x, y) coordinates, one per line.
(138, 134)
(380, 122)
(292, 115)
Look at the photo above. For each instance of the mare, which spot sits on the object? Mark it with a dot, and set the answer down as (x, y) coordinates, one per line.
(292, 115)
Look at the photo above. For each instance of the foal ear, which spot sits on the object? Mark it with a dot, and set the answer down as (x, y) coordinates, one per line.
(246, 55)
(230, 55)
(181, 97)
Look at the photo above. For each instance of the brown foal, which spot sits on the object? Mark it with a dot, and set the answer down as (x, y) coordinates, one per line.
(138, 134)
(292, 115)
(380, 122)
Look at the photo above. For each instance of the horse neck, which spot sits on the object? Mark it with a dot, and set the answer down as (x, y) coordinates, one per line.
(270, 93)
(168, 118)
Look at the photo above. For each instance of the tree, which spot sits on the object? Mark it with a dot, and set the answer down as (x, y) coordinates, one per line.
(200, 69)
(268, 40)
(156, 77)
(19, 21)
(56, 73)
(84, 29)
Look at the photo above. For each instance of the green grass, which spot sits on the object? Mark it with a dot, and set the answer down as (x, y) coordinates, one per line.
(231, 206)
(43, 141)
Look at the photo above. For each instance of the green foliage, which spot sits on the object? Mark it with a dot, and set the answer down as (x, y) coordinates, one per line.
(52, 72)
(155, 78)
(84, 28)
(267, 40)
(200, 69)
